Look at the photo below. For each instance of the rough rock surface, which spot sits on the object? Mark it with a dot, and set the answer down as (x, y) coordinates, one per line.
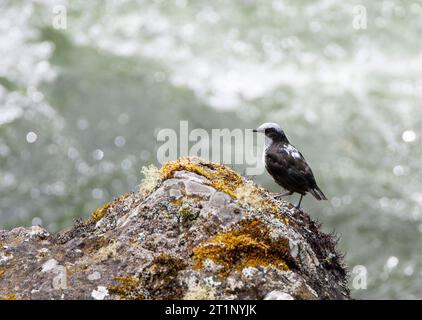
(195, 230)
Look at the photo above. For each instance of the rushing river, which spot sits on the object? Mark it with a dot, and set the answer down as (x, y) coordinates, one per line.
(82, 97)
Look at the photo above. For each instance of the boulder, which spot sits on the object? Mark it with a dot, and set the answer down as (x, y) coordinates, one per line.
(194, 230)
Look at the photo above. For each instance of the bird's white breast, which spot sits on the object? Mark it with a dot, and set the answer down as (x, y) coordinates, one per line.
(267, 144)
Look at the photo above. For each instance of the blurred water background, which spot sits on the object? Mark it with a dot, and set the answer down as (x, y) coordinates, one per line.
(80, 108)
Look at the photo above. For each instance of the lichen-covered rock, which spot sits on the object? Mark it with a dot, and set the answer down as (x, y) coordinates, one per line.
(195, 230)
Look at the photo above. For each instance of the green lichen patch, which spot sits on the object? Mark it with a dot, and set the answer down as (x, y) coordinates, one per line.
(200, 292)
(188, 208)
(248, 245)
(106, 252)
(250, 196)
(221, 177)
(185, 211)
(152, 177)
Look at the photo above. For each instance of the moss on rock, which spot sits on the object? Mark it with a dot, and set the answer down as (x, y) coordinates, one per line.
(127, 288)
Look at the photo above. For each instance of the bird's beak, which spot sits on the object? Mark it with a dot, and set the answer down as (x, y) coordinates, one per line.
(254, 130)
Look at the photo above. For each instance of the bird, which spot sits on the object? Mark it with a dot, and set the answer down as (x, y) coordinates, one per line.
(287, 165)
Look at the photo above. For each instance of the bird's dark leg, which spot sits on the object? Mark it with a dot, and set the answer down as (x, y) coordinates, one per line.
(300, 201)
(287, 193)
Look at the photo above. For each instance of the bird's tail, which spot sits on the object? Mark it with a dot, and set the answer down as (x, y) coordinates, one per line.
(318, 194)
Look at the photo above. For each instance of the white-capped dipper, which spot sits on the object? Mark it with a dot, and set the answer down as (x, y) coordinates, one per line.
(286, 164)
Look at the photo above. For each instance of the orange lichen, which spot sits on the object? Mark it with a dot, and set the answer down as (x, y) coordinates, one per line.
(2, 272)
(177, 202)
(10, 296)
(220, 176)
(248, 245)
(99, 213)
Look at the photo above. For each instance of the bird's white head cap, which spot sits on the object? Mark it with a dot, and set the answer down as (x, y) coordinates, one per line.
(270, 126)
(272, 131)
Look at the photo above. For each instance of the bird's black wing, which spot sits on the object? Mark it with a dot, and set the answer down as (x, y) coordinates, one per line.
(289, 169)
